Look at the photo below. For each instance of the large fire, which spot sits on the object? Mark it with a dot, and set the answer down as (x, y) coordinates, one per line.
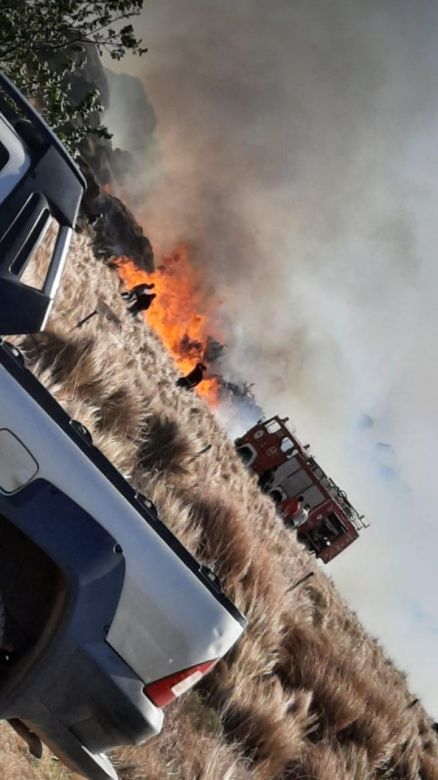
(180, 313)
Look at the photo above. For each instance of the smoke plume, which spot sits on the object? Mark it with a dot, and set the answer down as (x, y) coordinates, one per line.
(295, 150)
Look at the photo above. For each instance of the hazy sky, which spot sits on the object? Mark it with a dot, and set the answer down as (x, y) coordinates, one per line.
(297, 148)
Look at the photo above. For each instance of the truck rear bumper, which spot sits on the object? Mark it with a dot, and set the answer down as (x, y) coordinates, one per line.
(97, 704)
(70, 687)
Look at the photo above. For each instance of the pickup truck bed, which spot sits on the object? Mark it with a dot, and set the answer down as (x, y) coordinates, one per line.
(108, 616)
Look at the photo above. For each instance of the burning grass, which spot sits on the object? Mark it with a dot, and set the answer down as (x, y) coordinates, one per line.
(180, 316)
(305, 693)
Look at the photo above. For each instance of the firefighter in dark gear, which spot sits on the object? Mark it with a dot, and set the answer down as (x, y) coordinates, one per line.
(141, 302)
(193, 378)
(131, 295)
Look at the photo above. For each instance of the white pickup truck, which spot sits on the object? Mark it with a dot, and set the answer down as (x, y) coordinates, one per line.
(105, 617)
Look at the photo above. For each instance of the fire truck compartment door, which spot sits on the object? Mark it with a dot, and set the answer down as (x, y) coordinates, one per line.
(297, 483)
(313, 496)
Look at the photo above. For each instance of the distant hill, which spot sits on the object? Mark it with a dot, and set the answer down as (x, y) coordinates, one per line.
(127, 101)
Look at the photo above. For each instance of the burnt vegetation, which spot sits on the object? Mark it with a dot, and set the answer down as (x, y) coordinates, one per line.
(306, 693)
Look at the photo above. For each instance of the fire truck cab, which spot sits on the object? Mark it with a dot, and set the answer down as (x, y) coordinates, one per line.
(286, 470)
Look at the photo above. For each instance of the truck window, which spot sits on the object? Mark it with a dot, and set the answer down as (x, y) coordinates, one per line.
(287, 444)
(273, 427)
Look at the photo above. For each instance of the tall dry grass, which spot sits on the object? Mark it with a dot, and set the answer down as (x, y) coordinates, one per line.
(306, 693)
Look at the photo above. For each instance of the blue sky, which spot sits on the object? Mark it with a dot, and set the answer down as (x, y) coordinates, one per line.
(296, 147)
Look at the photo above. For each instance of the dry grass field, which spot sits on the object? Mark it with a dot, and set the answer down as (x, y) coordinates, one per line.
(306, 693)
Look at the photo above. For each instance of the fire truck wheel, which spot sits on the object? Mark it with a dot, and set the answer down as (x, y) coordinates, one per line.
(264, 479)
(244, 454)
(276, 496)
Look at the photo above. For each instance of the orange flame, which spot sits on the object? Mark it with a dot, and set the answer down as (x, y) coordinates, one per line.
(179, 313)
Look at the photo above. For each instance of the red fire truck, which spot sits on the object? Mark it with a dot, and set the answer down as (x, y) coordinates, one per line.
(287, 470)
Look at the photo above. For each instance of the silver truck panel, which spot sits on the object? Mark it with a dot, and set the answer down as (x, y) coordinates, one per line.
(166, 620)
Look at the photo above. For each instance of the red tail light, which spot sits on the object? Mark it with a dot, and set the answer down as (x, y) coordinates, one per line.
(164, 691)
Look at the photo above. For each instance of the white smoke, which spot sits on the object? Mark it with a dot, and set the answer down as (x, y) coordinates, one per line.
(298, 154)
